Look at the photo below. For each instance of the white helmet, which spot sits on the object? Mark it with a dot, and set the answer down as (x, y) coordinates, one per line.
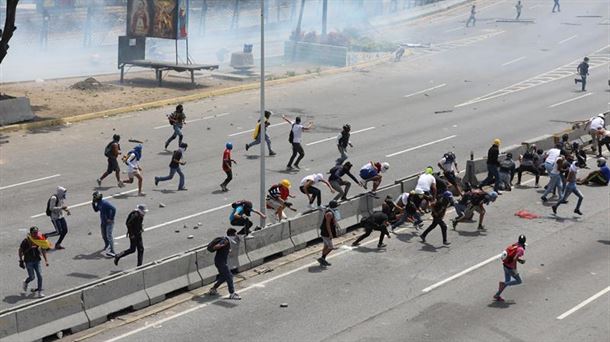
(385, 166)
(601, 115)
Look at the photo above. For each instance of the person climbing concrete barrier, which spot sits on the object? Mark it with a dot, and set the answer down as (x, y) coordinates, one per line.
(171, 275)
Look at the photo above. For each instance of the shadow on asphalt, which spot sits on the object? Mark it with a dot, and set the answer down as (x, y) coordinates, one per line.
(406, 237)
(82, 275)
(467, 233)
(91, 256)
(13, 299)
(502, 305)
(218, 192)
(430, 248)
(48, 129)
(165, 191)
(605, 242)
(227, 303)
(364, 249)
(252, 156)
(165, 153)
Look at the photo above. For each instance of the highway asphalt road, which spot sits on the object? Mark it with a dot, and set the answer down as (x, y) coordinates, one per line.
(393, 104)
(413, 291)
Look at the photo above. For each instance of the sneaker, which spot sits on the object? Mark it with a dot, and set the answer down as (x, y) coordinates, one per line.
(575, 80)
(312, 206)
(326, 263)
(24, 286)
(343, 198)
(481, 227)
(142, 194)
(422, 238)
(554, 209)
(104, 253)
(297, 167)
(250, 236)
(544, 199)
(271, 153)
(235, 296)
(382, 245)
(212, 292)
(322, 262)
(498, 299)
(110, 254)
(182, 189)
(577, 211)
(121, 185)
(156, 181)
(116, 260)
(40, 294)
(454, 224)
(99, 182)
(247, 147)
(59, 247)
(288, 167)
(356, 244)
(446, 243)
(257, 228)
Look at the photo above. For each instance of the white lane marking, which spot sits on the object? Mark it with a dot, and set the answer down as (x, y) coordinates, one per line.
(252, 130)
(89, 202)
(581, 305)
(334, 138)
(28, 182)
(457, 275)
(454, 29)
(180, 219)
(195, 120)
(514, 61)
(420, 146)
(245, 289)
(570, 100)
(568, 39)
(425, 90)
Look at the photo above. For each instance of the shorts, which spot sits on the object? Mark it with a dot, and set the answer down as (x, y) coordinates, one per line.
(328, 242)
(273, 204)
(113, 165)
(367, 173)
(133, 173)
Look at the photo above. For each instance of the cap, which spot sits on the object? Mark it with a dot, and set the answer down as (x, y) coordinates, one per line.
(447, 194)
(142, 208)
(497, 142)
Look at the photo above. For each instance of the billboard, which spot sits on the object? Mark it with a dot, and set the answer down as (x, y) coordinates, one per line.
(157, 18)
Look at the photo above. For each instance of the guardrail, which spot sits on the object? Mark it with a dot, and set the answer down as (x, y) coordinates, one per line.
(89, 305)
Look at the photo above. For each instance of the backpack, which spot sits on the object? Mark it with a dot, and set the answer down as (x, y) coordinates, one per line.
(291, 135)
(508, 256)
(48, 210)
(172, 118)
(213, 244)
(246, 204)
(108, 149)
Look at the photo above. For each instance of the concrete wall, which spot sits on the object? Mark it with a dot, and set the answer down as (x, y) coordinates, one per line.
(15, 110)
(315, 53)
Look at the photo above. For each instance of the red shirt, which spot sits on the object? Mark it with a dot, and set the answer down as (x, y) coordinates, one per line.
(513, 264)
(226, 160)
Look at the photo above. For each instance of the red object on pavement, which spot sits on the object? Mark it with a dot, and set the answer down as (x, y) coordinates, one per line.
(526, 215)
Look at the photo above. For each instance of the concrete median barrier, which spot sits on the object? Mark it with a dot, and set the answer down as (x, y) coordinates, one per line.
(170, 275)
(116, 294)
(271, 240)
(409, 184)
(352, 211)
(238, 259)
(50, 316)
(305, 228)
(393, 191)
(516, 150)
(8, 325)
(544, 142)
(205, 266)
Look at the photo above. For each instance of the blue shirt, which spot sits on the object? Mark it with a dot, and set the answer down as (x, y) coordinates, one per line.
(239, 211)
(605, 170)
(107, 210)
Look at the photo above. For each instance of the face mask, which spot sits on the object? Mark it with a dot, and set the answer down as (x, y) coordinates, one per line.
(337, 214)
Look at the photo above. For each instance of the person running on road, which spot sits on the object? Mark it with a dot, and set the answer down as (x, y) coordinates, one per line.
(336, 182)
(408, 204)
(343, 142)
(583, 71)
(227, 166)
(240, 217)
(513, 254)
(314, 194)
(556, 6)
(55, 209)
(599, 177)
(507, 172)
(112, 152)
(571, 188)
(592, 126)
(472, 18)
(177, 119)
(221, 261)
(135, 229)
(107, 213)
(30, 250)
(328, 231)
(371, 172)
(133, 167)
(554, 164)
(527, 163)
(257, 137)
(493, 163)
(474, 200)
(518, 7)
(295, 138)
(174, 167)
(604, 140)
(449, 166)
(376, 221)
(439, 208)
(277, 198)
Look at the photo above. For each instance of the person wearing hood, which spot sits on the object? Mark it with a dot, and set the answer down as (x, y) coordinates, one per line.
(30, 250)
(371, 172)
(174, 167)
(336, 181)
(135, 229)
(56, 209)
(314, 194)
(107, 213)
(132, 159)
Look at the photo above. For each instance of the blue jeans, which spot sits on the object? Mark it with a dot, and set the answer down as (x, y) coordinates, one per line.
(403, 218)
(61, 229)
(172, 172)
(224, 274)
(107, 229)
(33, 267)
(554, 182)
(343, 156)
(258, 141)
(509, 274)
(177, 133)
(493, 176)
(571, 188)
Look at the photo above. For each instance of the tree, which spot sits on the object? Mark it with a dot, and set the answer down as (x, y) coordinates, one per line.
(9, 28)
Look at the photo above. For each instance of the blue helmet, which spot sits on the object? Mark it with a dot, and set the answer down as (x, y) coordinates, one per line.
(229, 146)
(447, 194)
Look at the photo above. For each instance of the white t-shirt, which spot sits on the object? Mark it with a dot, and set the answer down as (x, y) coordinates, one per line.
(403, 198)
(555, 169)
(447, 166)
(596, 123)
(552, 155)
(132, 163)
(297, 133)
(315, 178)
(424, 183)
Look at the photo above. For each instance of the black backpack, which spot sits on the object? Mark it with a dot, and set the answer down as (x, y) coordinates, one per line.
(48, 210)
(213, 244)
(108, 149)
(246, 204)
(291, 135)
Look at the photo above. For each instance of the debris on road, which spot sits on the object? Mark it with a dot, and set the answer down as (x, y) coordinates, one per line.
(443, 111)
(284, 305)
(90, 84)
(190, 237)
(161, 205)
